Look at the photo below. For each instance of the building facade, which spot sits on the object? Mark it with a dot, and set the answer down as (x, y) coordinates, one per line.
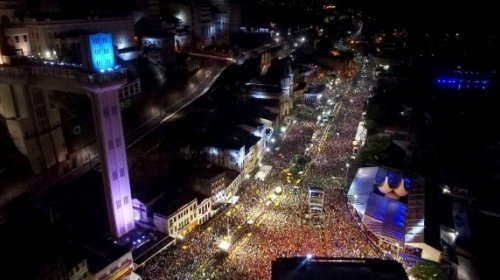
(204, 210)
(34, 125)
(103, 90)
(177, 222)
(17, 38)
(49, 38)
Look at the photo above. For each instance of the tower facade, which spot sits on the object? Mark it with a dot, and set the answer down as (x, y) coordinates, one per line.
(103, 87)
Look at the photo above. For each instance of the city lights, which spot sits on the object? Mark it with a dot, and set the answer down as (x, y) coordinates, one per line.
(224, 245)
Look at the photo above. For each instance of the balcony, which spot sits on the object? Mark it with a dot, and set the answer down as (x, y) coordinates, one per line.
(100, 80)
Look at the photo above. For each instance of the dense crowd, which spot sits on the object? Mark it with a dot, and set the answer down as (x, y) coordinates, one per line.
(264, 228)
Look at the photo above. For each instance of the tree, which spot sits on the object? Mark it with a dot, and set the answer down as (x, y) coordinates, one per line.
(427, 270)
(371, 126)
(375, 150)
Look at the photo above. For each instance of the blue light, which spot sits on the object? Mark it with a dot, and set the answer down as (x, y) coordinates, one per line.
(101, 50)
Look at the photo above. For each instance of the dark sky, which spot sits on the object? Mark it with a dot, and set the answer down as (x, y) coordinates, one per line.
(477, 14)
(472, 14)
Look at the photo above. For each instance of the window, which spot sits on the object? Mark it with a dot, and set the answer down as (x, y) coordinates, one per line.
(122, 172)
(118, 204)
(125, 199)
(118, 142)
(110, 145)
(25, 38)
(114, 175)
(113, 110)
(16, 38)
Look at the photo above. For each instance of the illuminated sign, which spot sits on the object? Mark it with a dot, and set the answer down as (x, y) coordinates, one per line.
(101, 51)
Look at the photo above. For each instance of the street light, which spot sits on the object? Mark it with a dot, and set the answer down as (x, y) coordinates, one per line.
(446, 190)
(346, 173)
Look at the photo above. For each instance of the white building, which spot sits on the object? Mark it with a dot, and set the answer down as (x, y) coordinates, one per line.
(17, 37)
(204, 209)
(218, 183)
(176, 218)
(50, 37)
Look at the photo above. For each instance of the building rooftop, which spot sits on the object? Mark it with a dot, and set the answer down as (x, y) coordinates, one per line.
(101, 253)
(157, 241)
(209, 172)
(169, 204)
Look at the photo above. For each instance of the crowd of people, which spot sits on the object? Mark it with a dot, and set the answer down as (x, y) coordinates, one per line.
(261, 227)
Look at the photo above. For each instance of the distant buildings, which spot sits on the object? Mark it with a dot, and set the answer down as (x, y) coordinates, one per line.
(176, 216)
(59, 39)
(209, 21)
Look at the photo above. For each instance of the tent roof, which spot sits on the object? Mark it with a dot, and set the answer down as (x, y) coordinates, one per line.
(379, 196)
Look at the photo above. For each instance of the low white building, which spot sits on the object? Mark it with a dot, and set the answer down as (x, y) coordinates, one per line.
(176, 218)
(218, 183)
(204, 209)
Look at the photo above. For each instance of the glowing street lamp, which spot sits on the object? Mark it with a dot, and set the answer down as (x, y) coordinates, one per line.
(446, 190)
(224, 245)
(346, 172)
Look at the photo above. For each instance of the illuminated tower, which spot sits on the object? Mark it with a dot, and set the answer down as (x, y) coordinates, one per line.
(103, 85)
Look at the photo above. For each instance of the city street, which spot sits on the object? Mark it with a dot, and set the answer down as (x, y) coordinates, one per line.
(264, 224)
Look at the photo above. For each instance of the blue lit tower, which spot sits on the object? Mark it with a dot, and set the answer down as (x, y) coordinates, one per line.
(103, 84)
